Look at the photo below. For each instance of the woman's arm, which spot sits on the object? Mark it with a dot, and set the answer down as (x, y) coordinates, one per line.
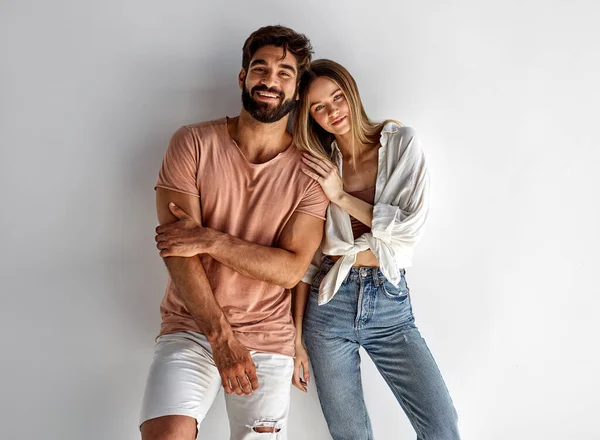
(357, 208)
(299, 297)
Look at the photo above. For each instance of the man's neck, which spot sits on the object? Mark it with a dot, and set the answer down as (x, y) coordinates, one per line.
(259, 142)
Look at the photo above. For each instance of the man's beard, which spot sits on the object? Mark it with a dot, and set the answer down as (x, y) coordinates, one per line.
(262, 111)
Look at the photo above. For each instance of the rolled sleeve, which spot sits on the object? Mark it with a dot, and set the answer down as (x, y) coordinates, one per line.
(382, 224)
(314, 267)
(310, 274)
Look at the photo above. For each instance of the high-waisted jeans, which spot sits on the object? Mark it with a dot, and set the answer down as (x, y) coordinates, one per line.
(371, 312)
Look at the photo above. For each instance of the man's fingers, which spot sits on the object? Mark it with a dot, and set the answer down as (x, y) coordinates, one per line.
(251, 373)
(167, 227)
(225, 383)
(177, 211)
(244, 383)
(235, 384)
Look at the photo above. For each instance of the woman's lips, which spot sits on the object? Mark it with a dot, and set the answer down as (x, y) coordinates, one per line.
(338, 120)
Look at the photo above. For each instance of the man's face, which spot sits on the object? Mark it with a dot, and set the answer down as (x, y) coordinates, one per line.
(269, 87)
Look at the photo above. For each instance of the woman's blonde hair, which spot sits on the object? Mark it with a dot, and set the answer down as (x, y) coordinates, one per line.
(308, 134)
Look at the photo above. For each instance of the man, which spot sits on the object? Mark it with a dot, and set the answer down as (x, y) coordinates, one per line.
(240, 223)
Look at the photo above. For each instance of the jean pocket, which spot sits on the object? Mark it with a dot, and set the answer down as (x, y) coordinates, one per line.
(401, 292)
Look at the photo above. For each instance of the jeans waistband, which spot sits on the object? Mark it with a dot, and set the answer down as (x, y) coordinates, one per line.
(356, 272)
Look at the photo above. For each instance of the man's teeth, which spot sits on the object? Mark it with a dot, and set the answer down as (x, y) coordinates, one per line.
(268, 95)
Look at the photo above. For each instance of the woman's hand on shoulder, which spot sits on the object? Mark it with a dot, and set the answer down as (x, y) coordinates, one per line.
(326, 174)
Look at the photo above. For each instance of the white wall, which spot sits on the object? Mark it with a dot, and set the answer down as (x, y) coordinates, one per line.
(505, 96)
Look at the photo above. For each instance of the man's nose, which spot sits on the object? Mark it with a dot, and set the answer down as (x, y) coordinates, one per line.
(269, 79)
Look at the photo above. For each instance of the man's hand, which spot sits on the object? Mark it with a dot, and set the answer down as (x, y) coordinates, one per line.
(300, 379)
(236, 367)
(183, 238)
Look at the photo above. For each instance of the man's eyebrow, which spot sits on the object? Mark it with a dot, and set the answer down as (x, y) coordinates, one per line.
(317, 102)
(288, 67)
(261, 62)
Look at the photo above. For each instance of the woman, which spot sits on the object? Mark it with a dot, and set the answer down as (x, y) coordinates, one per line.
(355, 294)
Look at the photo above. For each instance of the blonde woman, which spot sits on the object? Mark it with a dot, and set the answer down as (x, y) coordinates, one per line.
(355, 292)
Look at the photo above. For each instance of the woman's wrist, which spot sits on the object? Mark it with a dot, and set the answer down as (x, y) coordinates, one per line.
(340, 198)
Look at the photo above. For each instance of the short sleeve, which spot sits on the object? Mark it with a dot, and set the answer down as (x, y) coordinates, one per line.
(314, 202)
(179, 170)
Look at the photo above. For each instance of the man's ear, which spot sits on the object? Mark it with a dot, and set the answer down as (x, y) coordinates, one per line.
(298, 92)
(242, 78)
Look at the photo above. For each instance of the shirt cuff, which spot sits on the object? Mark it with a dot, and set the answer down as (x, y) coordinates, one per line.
(310, 274)
(383, 221)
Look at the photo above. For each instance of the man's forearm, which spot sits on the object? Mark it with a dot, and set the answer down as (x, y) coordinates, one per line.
(190, 279)
(270, 264)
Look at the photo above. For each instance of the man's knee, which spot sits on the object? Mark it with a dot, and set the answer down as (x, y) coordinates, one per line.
(169, 428)
(266, 426)
(264, 429)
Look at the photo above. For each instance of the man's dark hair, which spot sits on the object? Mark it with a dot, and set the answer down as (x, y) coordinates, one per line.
(280, 36)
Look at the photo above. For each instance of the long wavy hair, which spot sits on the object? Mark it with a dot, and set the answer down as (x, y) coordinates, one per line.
(308, 134)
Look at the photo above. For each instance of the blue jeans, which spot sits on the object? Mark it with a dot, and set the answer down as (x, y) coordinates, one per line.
(369, 311)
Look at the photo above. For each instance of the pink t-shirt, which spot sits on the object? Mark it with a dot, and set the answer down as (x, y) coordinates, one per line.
(249, 201)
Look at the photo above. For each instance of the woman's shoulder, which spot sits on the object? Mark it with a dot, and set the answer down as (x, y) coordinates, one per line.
(398, 137)
(393, 127)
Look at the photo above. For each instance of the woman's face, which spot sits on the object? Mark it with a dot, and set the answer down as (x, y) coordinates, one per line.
(328, 106)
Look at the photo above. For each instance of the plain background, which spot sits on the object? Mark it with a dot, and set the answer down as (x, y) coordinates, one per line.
(505, 98)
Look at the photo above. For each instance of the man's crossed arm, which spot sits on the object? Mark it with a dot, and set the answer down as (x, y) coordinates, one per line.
(283, 265)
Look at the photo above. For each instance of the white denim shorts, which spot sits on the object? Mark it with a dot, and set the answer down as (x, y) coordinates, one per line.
(183, 380)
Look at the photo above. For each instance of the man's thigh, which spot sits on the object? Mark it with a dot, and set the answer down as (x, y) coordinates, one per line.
(183, 379)
(266, 409)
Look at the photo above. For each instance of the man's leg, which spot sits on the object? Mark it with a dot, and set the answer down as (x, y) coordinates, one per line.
(263, 414)
(182, 385)
(169, 427)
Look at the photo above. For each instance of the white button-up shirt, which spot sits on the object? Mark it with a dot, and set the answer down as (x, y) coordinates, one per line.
(399, 214)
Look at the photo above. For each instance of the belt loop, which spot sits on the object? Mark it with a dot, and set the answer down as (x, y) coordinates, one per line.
(375, 275)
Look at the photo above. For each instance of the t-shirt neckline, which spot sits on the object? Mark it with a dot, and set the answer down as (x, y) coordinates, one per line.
(251, 164)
